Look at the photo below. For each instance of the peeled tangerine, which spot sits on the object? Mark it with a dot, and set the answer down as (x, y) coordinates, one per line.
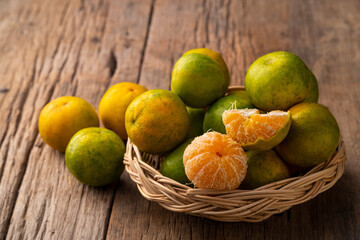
(215, 161)
(255, 131)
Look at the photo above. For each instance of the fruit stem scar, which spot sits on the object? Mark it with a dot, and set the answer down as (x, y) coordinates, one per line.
(218, 154)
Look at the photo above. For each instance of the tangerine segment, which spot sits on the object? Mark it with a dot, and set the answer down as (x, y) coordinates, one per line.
(215, 161)
(253, 130)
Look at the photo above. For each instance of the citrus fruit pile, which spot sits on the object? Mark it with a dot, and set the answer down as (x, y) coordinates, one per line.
(211, 137)
(93, 155)
(250, 137)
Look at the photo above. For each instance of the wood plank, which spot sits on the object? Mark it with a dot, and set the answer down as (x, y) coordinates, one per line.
(82, 47)
(323, 33)
(59, 48)
(13, 158)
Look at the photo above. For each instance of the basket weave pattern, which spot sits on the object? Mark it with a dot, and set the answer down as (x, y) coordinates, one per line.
(234, 205)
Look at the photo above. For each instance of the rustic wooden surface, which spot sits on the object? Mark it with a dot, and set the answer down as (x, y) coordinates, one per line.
(54, 48)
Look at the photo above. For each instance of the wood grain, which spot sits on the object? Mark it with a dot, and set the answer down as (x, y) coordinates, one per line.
(74, 51)
(54, 48)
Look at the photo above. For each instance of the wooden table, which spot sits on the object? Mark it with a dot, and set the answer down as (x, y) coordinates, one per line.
(54, 48)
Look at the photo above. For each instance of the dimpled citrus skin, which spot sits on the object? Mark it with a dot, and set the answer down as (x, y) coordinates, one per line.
(114, 103)
(256, 131)
(157, 121)
(264, 167)
(215, 161)
(198, 80)
(279, 80)
(95, 156)
(216, 57)
(213, 116)
(61, 118)
(313, 92)
(313, 137)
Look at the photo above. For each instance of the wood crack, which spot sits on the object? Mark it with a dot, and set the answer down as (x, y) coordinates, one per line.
(6, 130)
(77, 211)
(4, 90)
(105, 21)
(63, 13)
(40, 219)
(76, 66)
(25, 94)
(23, 215)
(52, 89)
(112, 61)
(2, 166)
(32, 138)
(146, 40)
(227, 22)
(207, 19)
(112, 64)
(19, 183)
(195, 30)
(78, 58)
(171, 67)
(107, 220)
(53, 57)
(251, 42)
(44, 54)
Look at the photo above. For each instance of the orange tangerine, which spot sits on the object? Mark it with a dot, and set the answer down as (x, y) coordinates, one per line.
(255, 131)
(279, 80)
(114, 103)
(313, 136)
(157, 121)
(61, 118)
(215, 161)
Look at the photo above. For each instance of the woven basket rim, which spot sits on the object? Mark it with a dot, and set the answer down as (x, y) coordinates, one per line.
(231, 205)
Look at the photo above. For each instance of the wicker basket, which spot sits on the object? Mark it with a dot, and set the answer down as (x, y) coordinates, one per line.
(235, 205)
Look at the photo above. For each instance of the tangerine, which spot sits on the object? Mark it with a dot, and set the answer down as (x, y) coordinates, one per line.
(61, 118)
(157, 121)
(213, 117)
(313, 136)
(279, 80)
(199, 78)
(264, 167)
(255, 131)
(95, 156)
(215, 56)
(313, 93)
(114, 103)
(215, 161)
